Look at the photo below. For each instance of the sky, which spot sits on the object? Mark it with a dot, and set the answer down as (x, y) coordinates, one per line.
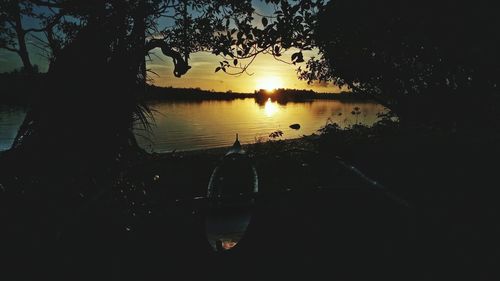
(266, 72)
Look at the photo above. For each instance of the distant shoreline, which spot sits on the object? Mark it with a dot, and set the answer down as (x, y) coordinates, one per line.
(22, 89)
(155, 93)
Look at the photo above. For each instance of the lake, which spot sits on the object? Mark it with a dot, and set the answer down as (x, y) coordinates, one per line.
(190, 125)
(11, 117)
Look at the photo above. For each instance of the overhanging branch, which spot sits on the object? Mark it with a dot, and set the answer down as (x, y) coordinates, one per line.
(181, 66)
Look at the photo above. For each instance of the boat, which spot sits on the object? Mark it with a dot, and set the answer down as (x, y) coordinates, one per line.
(231, 193)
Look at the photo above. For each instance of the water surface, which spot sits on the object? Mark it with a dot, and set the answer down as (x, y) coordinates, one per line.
(190, 125)
(208, 124)
(11, 118)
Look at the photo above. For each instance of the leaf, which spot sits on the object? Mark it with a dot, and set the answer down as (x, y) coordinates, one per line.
(297, 57)
(276, 50)
(217, 68)
(264, 21)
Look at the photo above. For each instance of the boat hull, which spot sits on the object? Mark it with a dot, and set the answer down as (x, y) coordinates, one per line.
(231, 197)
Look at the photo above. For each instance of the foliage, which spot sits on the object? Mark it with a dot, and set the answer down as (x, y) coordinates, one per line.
(12, 33)
(340, 141)
(236, 32)
(405, 53)
(276, 134)
(233, 30)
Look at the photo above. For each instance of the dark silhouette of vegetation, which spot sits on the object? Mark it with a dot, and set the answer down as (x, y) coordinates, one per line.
(20, 87)
(434, 64)
(413, 56)
(15, 35)
(24, 87)
(283, 96)
(169, 93)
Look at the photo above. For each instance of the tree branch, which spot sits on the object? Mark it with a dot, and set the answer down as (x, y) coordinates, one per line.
(181, 65)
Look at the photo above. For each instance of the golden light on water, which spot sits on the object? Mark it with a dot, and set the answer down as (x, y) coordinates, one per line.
(270, 83)
(270, 108)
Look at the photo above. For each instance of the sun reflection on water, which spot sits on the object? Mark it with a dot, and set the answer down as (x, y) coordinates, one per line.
(270, 108)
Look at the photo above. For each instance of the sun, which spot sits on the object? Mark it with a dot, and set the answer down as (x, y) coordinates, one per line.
(270, 83)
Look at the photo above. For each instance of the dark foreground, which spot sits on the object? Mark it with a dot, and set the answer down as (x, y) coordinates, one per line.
(314, 220)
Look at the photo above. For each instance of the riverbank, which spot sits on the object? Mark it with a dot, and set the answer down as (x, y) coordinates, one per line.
(443, 176)
(307, 199)
(446, 177)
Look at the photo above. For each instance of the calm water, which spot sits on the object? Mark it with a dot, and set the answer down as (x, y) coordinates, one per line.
(208, 124)
(188, 125)
(11, 117)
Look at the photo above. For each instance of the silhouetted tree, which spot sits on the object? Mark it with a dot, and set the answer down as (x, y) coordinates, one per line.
(20, 18)
(420, 58)
(97, 65)
(96, 79)
(12, 32)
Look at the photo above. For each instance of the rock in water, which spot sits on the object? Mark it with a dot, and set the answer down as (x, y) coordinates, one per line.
(295, 126)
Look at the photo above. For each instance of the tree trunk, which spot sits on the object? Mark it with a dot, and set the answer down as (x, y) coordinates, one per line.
(21, 40)
(82, 122)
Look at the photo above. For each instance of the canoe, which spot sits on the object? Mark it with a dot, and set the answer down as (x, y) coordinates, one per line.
(231, 196)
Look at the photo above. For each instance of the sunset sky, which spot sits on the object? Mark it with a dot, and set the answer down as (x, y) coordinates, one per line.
(266, 71)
